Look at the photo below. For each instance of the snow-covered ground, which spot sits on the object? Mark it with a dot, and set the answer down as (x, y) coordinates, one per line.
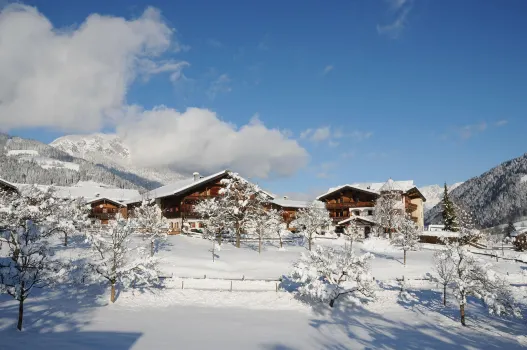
(206, 314)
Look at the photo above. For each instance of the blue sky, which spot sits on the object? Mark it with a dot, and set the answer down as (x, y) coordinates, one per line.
(432, 91)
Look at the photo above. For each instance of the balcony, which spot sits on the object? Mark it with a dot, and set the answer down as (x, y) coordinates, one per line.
(331, 206)
(410, 207)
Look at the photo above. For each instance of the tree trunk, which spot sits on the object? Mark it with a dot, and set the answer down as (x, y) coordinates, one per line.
(238, 235)
(351, 245)
(65, 239)
(259, 245)
(112, 294)
(152, 246)
(309, 242)
(444, 294)
(405, 258)
(20, 314)
(462, 312)
(331, 302)
(219, 238)
(281, 243)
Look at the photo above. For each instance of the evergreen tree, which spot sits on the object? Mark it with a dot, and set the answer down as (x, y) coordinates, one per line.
(510, 229)
(449, 213)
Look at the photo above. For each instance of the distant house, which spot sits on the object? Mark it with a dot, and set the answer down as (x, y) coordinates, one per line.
(105, 201)
(289, 208)
(106, 209)
(7, 186)
(177, 200)
(357, 201)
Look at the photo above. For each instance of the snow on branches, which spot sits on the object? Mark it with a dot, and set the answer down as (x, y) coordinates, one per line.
(27, 225)
(325, 274)
(150, 223)
(353, 232)
(470, 277)
(407, 236)
(276, 225)
(239, 202)
(388, 212)
(312, 220)
(117, 259)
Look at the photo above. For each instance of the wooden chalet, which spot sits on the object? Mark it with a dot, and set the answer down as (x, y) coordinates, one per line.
(105, 209)
(8, 187)
(177, 200)
(357, 201)
(289, 208)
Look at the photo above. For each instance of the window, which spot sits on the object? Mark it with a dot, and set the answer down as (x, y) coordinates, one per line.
(357, 212)
(370, 212)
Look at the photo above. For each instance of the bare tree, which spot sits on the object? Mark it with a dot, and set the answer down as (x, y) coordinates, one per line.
(276, 224)
(352, 232)
(444, 270)
(388, 212)
(27, 224)
(116, 259)
(150, 223)
(312, 220)
(407, 236)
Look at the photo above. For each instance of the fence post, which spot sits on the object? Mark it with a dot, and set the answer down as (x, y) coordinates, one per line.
(231, 285)
(182, 284)
(276, 285)
(204, 276)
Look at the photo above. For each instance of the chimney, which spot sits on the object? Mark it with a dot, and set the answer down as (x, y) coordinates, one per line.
(196, 176)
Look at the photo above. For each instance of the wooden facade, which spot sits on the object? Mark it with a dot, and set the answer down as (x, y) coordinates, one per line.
(105, 209)
(349, 202)
(179, 208)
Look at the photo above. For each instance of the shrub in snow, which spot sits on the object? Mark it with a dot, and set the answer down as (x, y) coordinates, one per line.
(27, 223)
(325, 274)
(407, 236)
(116, 259)
(472, 278)
(150, 223)
(312, 220)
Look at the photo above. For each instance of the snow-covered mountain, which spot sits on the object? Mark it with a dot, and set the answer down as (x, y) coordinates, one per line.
(434, 194)
(33, 162)
(110, 150)
(495, 197)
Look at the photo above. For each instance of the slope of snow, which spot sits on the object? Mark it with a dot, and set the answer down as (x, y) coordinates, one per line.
(44, 162)
(110, 150)
(434, 194)
(80, 317)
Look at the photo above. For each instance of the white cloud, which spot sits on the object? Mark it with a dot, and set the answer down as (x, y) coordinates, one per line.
(321, 134)
(502, 122)
(219, 85)
(214, 43)
(197, 140)
(325, 170)
(327, 69)
(73, 79)
(467, 131)
(77, 79)
(401, 9)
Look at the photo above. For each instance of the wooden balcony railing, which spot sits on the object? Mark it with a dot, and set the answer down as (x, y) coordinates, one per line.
(411, 207)
(104, 210)
(330, 206)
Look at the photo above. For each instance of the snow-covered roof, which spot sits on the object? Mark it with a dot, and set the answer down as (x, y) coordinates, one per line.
(105, 199)
(372, 187)
(180, 186)
(356, 218)
(8, 184)
(288, 203)
(440, 234)
(89, 190)
(390, 186)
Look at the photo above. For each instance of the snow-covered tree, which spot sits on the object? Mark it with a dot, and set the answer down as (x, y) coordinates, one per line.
(117, 259)
(239, 202)
(325, 274)
(407, 236)
(312, 220)
(352, 233)
(468, 233)
(276, 224)
(28, 223)
(72, 216)
(472, 278)
(449, 213)
(258, 226)
(444, 269)
(150, 223)
(213, 216)
(388, 212)
(509, 229)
